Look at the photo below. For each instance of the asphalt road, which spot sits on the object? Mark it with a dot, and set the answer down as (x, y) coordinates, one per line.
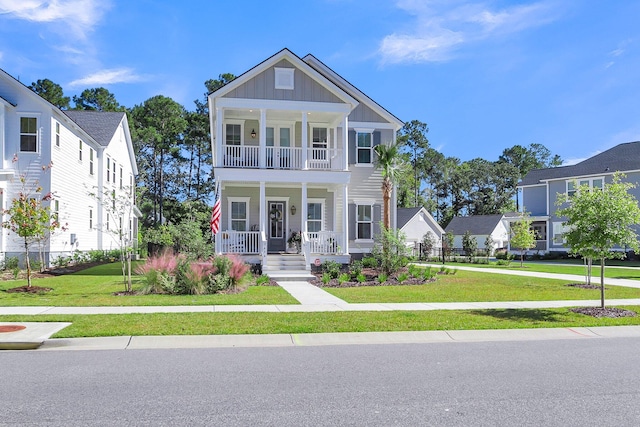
(517, 383)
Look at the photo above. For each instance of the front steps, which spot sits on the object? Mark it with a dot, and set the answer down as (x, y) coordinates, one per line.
(287, 267)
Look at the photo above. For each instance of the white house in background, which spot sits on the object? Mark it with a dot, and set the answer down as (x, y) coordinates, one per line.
(415, 223)
(90, 152)
(293, 152)
(481, 226)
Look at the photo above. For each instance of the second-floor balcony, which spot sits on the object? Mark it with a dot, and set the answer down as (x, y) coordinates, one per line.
(293, 158)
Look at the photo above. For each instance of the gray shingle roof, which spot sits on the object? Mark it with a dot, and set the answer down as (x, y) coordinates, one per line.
(405, 214)
(476, 224)
(101, 125)
(623, 157)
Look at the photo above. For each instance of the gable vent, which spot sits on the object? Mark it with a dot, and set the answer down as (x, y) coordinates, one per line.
(284, 78)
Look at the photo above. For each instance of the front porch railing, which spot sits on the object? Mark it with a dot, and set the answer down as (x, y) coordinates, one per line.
(325, 242)
(248, 156)
(240, 242)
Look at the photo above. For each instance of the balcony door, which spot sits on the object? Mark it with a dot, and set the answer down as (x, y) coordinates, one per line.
(277, 238)
(279, 147)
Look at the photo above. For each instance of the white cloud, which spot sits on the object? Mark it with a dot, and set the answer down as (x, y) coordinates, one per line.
(79, 16)
(440, 27)
(107, 77)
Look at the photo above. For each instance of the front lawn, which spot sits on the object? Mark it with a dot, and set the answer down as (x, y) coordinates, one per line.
(469, 286)
(96, 286)
(295, 323)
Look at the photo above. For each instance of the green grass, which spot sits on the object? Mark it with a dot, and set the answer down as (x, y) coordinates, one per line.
(96, 286)
(288, 323)
(468, 286)
(629, 271)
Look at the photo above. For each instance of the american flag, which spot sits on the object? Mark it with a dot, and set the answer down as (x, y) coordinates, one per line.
(215, 218)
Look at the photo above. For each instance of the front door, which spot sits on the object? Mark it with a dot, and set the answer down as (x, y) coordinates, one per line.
(277, 239)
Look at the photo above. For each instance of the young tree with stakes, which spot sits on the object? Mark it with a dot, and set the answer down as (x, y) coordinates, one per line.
(523, 237)
(598, 220)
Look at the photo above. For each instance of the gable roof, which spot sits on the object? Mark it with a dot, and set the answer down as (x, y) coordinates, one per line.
(6, 101)
(475, 224)
(404, 215)
(622, 157)
(100, 125)
(345, 85)
(298, 63)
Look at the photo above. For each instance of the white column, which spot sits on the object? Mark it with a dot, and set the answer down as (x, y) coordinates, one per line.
(345, 218)
(218, 140)
(305, 140)
(263, 223)
(263, 138)
(303, 208)
(345, 140)
(335, 146)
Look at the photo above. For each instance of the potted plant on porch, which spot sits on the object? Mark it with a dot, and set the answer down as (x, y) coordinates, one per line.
(295, 240)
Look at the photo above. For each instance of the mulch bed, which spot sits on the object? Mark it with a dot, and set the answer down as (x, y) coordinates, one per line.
(604, 312)
(584, 286)
(28, 290)
(371, 276)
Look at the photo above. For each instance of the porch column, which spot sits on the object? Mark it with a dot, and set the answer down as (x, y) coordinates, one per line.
(263, 138)
(305, 140)
(345, 218)
(303, 208)
(219, 120)
(345, 144)
(262, 223)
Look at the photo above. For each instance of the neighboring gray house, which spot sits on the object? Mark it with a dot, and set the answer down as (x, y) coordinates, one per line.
(293, 152)
(415, 223)
(90, 152)
(540, 188)
(481, 226)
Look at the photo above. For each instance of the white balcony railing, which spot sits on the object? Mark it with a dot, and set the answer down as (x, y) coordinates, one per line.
(248, 156)
(325, 242)
(240, 242)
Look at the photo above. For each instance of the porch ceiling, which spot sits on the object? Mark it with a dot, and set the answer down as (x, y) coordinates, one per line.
(283, 115)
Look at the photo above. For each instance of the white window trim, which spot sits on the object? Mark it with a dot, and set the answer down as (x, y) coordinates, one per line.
(224, 131)
(578, 180)
(364, 203)
(80, 150)
(36, 116)
(369, 131)
(284, 78)
(109, 164)
(57, 134)
(323, 211)
(92, 158)
(246, 200)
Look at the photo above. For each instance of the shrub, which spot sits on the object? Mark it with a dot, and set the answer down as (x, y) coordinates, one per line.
(344, 277)
(382, 277)
(192, 278)
(503, 262)
(332, 268)
(326, 278)
(97, 256)
(402, 277)
(369, 262)
(427, 274)
(262, 280)
(414, 270)
(11, 263)
(390, 250)
(355, 269)
(361, 278)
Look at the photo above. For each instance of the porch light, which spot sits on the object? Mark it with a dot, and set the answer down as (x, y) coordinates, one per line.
(253, 133)
(293, 209)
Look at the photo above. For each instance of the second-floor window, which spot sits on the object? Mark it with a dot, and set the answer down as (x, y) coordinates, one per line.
(80, 150)
(593, 183)
(364, 147)
(57, 134)
(233, 134)
(91, 161)
(108, 169)
(28, 134)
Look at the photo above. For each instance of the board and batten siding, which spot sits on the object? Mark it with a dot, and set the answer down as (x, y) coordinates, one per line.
(262, 86)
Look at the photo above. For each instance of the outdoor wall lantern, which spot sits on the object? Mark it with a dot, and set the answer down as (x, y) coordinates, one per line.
(253, 133)
(293, 209)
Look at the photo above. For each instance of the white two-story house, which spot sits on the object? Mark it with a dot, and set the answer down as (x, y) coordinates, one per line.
(293, 152)
(540, 189)
(90, 154)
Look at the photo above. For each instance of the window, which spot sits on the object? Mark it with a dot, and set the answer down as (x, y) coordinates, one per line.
(108, 222)
(56, 209)
(57, 134)
(239, 216)
(364, 222)
(90, 219)
(573, 185)
(314, 217)
(233, 134)
(28, 134)
(364, 147)
(114, 172)
(91, 161)
(113, 199)
(319, 143)
(130, 185)
(80, 150)
(121, 177)
(108, 169)
(284, 78)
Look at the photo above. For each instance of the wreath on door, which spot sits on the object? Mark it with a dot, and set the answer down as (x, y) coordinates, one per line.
(275, 214)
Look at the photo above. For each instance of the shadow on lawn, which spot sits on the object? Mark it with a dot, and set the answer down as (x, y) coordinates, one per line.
(528, 315)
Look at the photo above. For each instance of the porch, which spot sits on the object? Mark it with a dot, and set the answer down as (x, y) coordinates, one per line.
(252, 243)
(286, 158)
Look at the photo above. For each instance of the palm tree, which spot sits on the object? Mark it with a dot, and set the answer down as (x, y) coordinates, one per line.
(390, 163)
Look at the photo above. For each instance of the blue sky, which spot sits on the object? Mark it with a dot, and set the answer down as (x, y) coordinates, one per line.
(484, 75)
